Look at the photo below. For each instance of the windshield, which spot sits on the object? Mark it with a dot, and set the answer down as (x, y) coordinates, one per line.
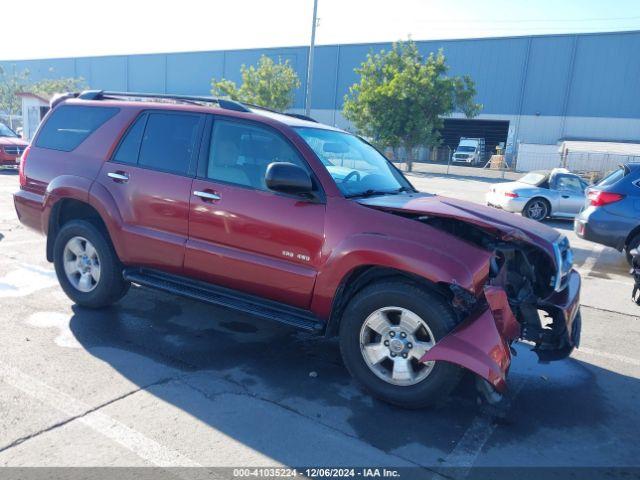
(466, 148)
(533, 178)
(6, 131)
(357, 168)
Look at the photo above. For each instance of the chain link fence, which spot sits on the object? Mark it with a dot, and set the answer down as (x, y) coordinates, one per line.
(590, 165)
(438, 161)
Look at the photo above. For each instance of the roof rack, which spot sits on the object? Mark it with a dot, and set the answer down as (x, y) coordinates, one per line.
(222, 102)
(302, 117)
(104, 94)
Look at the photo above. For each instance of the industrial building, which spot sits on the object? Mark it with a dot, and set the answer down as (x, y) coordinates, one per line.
(534, 89)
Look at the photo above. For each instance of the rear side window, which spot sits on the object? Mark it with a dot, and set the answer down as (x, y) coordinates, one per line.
(130, 146)
(69, 125)
(169, 141)
(612, 178)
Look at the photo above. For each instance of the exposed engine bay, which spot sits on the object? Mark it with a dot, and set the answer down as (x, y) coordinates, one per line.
(528, 276)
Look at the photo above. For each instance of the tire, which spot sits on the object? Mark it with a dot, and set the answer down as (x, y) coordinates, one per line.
(441, 378)
(109, 286)
(633, 243)
(537, 209)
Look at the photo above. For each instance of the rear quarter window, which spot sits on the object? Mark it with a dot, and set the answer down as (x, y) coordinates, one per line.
(612, 177)
(70, 125)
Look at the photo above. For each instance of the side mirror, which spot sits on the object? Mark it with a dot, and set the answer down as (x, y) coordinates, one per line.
(288, 178)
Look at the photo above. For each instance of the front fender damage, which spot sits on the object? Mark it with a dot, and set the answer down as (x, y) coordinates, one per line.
(481, 342)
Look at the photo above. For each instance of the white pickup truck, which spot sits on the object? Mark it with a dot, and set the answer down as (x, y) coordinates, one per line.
(470, 151)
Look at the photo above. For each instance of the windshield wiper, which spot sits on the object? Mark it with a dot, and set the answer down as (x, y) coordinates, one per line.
(371, 193)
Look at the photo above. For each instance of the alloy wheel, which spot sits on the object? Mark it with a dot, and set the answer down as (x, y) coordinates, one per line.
(81, 264)
(392, 341)
(537, 210)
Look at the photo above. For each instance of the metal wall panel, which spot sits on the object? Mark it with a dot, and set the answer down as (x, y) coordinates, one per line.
(586, 75)
(548, 74)
(323, 92)
(495, 65)
(109, 73)
(191, 73)
(606, 76)
(41, 69)
(147, 73)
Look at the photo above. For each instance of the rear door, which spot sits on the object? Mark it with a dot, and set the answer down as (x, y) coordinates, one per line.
(149, 176)
(243, 235)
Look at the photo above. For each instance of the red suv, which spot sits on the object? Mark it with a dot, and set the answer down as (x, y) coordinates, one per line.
(287, 219)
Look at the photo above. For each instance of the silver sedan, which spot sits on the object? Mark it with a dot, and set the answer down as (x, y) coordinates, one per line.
(540, 194)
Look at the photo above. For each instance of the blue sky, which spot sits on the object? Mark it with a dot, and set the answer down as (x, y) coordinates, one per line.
(89, 27)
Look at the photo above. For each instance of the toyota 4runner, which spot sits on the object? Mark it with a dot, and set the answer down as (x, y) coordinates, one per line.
(297, 222)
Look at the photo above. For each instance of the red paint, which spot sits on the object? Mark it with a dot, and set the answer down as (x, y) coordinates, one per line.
(239, 242)
(7, 157)
(481, 343)
(599, 198)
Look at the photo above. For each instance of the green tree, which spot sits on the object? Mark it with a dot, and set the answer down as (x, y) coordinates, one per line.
(269, 84)
(14, 82)
(50, 86)
(10, 84)
(401, 98)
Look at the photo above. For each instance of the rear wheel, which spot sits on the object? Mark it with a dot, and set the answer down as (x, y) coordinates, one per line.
(87, 267)
(385, 330)
(536, 209)
(634, 243)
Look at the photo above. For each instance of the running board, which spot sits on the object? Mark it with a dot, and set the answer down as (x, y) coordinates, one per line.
(224, 297)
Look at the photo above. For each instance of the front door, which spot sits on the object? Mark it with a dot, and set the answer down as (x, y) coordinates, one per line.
(241, 234)
(149, 178)
(570, 191)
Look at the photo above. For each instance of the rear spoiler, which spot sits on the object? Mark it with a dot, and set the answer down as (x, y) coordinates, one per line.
(61, 97)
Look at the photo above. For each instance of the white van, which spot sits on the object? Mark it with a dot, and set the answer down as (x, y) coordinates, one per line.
(470, 151)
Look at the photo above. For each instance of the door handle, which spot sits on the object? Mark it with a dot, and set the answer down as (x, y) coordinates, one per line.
(206, 195)
(121, 177)
(565, 196)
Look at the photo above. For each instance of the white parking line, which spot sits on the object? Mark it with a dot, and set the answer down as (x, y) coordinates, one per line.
(612, 356)
(26, 280)
(467, 450)
(20, 243)
(136, 442)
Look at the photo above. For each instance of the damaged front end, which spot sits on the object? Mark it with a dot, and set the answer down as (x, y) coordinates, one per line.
(482, 342)
(530, 295)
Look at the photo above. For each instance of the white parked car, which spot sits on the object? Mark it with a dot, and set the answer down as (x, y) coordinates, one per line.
(541, 194)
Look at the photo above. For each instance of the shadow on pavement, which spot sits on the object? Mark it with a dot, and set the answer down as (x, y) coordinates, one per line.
(225, 353)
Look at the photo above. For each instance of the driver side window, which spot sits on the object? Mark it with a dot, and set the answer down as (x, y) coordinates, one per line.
(240, 153)
(569, 183)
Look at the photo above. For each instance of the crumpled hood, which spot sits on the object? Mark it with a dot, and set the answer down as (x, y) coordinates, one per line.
(506, 225)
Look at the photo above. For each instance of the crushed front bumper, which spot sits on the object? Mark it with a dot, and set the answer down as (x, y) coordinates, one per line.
(482, 342)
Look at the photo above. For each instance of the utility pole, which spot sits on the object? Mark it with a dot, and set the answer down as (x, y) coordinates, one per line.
(307, 95)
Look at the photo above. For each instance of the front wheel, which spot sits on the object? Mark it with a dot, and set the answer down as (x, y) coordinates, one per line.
(385, 330)
(86, 265)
